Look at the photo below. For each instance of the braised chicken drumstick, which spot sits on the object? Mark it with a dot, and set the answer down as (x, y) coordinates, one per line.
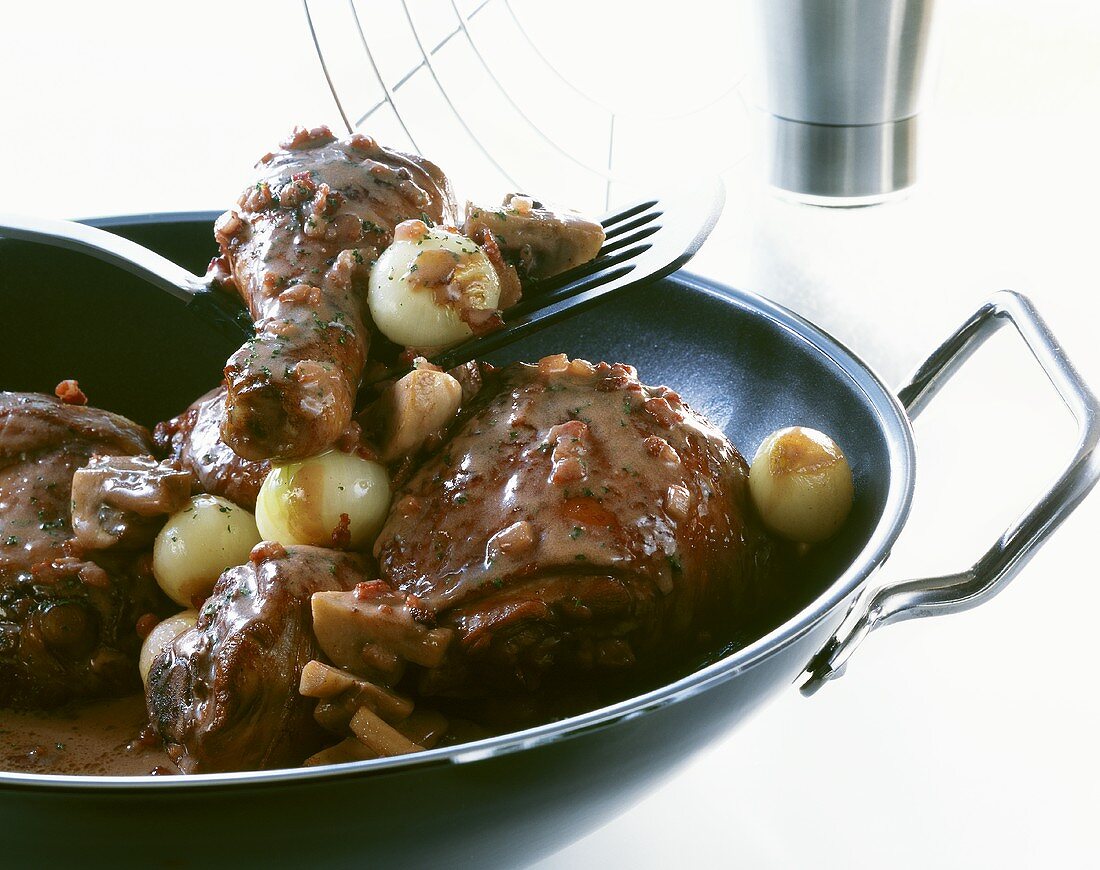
(299, 247)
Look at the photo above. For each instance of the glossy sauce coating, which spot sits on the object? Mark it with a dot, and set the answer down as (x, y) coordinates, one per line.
(299, 247)
(224, 694)
(97, 738)
(577, 519)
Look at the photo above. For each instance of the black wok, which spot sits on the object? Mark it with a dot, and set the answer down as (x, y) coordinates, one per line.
(746, 363)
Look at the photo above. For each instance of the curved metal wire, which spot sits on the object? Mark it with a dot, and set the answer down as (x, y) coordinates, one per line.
(447, 96)
(381, 81)
(546, 61)
(324, 68)
(389, 99)
(508, 96)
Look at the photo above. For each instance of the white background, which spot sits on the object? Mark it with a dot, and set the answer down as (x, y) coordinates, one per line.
(963, 742)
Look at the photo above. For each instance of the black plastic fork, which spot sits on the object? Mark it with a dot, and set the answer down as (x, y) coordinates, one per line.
(645, 242)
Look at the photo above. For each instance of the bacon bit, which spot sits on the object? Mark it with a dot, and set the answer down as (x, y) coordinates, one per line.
(145, 624)
(279, 328)
(410, 231)
(662, 412)
(227, 226)
(554, 364)
(522, 204)
(69, 392)
(362, 143)
(581, 368)
(678, 502)
(615, 377)
(670, 396)
(589, 512)
(369, 590)
(301, 138)
(302, 294)
(220, 275)
(568, 470)
(481, 321)
(344, 229)
(92, 575)
(570, 448)
(266, 550)
(515, 539)
(658, 448)
(341, 535)
(257, 198)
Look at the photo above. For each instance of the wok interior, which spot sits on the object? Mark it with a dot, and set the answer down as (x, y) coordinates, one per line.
(136, 351)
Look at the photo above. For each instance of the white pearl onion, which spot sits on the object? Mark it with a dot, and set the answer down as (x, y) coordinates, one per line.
(198, 543)
(401, 297)
(801, 484)
(302, 502)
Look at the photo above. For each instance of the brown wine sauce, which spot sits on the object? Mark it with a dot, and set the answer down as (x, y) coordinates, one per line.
(97, 738)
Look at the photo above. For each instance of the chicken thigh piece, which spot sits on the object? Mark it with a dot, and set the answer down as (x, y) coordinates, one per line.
(224, 694)
(299, 247)
(67, 617)
(576, 522)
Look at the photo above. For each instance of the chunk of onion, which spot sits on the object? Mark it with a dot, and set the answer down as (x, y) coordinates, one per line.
(198, 543)
(801, 484)
(163, 633)
(404, 281)
(303, 502)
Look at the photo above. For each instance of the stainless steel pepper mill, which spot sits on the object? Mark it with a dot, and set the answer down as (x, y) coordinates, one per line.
(841, 84)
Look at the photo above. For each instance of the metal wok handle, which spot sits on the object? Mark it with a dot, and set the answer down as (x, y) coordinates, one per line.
(992, 572)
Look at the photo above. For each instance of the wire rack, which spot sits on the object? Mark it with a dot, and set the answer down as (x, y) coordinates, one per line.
(505, 90)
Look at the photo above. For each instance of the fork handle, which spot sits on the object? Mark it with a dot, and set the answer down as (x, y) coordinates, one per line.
(117, 251)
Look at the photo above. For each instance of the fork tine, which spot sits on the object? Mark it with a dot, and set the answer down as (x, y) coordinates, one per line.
(611, 220)
(623, 241)
(578, 284)
(644, 219)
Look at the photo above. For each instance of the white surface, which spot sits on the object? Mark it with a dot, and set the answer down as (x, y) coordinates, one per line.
(968, 741)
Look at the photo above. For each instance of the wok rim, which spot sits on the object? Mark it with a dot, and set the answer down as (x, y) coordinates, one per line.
(893, 422)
